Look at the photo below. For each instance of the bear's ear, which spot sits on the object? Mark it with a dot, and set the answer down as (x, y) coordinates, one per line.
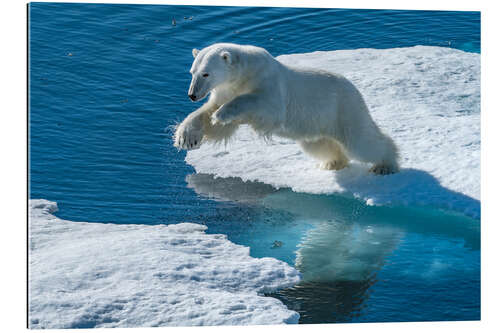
(227, 57)
(195, 52)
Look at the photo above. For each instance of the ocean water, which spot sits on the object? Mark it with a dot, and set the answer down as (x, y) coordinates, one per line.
(108, 82)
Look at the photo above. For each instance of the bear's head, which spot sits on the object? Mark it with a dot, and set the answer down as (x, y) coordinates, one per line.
(212, 67)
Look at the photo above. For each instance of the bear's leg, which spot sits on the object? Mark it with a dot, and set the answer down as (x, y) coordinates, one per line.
(189, 134)
(198, 128)
(247, 108)
(217, 132)
(328, 151)
(373, 146)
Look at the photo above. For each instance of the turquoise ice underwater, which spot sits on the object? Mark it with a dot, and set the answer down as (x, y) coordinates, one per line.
(107, 81)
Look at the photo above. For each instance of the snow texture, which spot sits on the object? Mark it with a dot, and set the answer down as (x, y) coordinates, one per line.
(109, 275)
(426, 98)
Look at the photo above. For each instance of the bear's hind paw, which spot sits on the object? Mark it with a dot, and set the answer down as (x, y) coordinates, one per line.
(332, 165)
(382, 169)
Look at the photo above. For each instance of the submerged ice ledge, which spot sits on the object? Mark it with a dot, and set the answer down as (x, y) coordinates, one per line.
(85, 275)
(426, 98)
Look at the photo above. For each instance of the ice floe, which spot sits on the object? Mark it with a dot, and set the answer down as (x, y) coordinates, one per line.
(426, 98)
(84, 275)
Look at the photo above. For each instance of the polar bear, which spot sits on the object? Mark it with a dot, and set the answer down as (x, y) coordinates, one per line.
(322, 111)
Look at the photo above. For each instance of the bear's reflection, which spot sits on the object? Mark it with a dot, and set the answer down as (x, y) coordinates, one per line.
(339, 257)
(311, 207)
(338, 262)
(334, 251)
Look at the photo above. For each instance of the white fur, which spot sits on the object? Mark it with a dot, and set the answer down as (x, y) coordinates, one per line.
(322, 111)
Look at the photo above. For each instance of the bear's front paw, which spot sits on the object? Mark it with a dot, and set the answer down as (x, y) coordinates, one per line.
(223, 115)
(187, 137)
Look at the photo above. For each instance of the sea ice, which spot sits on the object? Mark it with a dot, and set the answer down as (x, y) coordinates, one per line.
(426, 98)
(110, 275)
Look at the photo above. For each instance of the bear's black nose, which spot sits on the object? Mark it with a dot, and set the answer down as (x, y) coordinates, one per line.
(193, 97)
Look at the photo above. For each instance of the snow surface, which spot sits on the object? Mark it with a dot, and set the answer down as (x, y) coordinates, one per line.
(109, 275)
(426, 98)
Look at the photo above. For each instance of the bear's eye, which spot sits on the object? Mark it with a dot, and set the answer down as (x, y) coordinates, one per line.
(205, 75)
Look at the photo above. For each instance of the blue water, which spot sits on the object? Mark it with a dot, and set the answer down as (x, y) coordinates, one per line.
(107, 82)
